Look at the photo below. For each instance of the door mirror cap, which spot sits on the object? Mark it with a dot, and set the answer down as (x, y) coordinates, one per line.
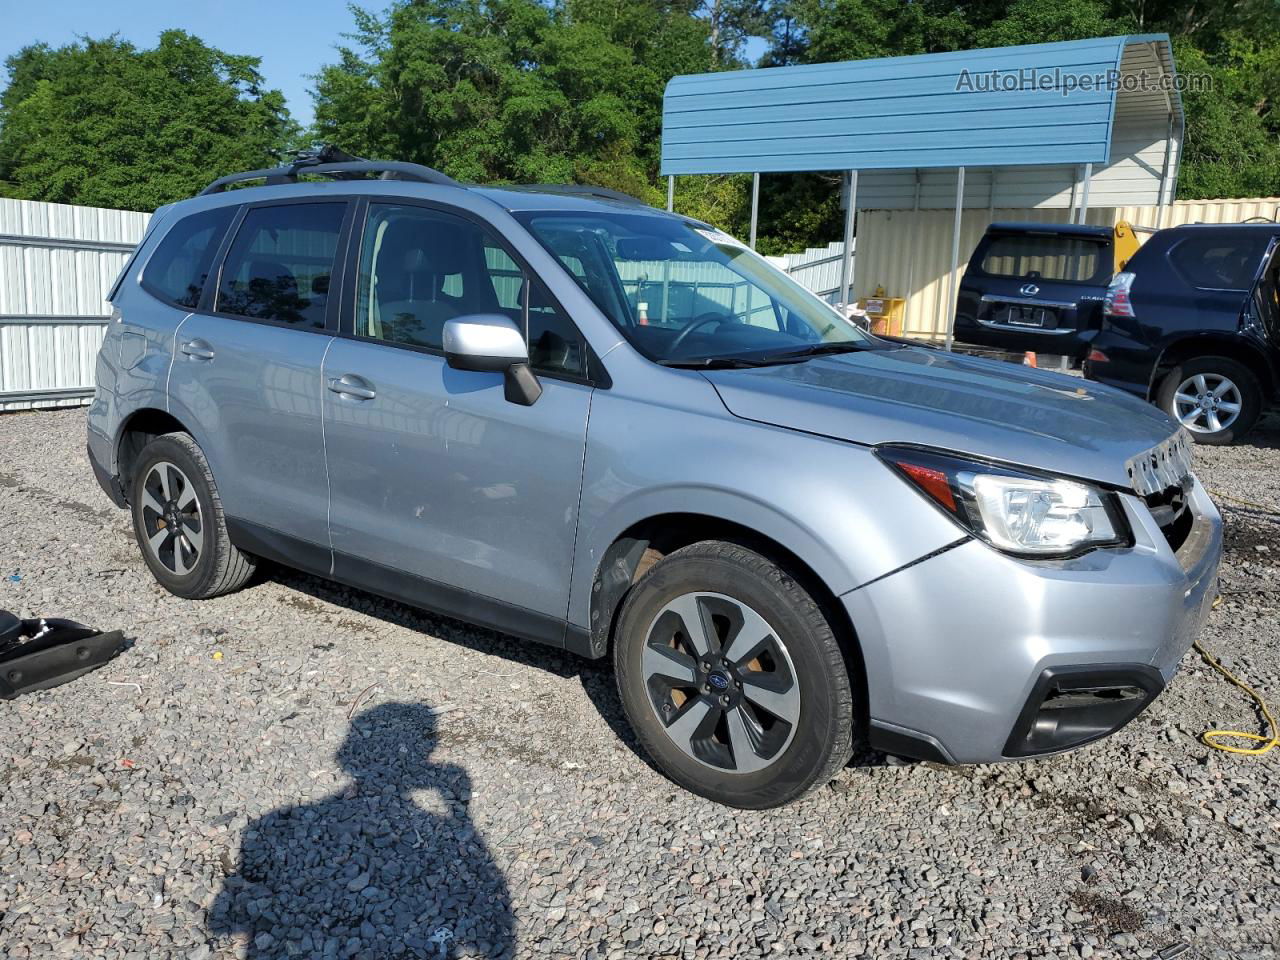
(484, 341)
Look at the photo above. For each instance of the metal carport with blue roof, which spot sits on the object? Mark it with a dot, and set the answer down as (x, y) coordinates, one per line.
(1042, 125)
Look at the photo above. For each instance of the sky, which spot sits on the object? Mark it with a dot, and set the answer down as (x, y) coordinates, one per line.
(294, 38)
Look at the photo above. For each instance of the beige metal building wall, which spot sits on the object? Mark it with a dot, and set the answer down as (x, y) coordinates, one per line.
(908, 253)
(56, 264)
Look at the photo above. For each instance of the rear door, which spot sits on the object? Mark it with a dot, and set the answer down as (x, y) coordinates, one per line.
(246, 374)
(1261, 317)
(1216, 267)
(1037, 291)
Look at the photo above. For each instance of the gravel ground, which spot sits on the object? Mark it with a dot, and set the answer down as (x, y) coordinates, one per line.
(303, 770)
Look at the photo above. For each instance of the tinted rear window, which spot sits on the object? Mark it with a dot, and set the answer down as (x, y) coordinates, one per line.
(177, 271)
(1032, 257)
(280, 264)
(1218, 263)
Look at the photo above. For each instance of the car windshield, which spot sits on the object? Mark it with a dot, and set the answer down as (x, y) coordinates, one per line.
(687, 295)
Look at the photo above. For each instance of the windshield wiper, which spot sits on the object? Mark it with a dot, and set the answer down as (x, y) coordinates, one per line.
(727, 363)
(819, 349)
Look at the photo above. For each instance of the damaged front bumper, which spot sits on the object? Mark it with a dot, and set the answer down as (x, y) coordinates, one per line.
(974, 656)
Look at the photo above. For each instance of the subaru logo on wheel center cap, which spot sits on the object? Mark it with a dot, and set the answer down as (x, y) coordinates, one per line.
(1029, 289)
(718, 680)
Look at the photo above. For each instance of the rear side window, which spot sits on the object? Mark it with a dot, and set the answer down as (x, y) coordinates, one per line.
(1034, 257)
(1215, 263)
(177, 271)
(281, 262)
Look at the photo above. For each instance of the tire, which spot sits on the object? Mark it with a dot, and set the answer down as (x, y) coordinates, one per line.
(202, 562)
(1239, 387)
(711, 731)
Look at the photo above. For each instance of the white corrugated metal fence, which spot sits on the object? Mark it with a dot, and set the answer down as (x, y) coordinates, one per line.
(57, 262)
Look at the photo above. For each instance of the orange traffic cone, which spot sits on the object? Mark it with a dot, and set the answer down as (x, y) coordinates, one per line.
(1029, 358)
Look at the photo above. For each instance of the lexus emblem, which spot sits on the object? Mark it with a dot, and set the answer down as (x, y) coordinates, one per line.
(1029, 290)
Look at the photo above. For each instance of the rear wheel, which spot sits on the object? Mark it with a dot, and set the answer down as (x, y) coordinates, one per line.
(1217, 399)
(733, 678)
(179, 524)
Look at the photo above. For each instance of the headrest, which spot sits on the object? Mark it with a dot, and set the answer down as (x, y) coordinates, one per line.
(269, 271)
(427, 247)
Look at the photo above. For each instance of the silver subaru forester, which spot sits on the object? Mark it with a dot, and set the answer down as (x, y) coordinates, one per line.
(567, 416)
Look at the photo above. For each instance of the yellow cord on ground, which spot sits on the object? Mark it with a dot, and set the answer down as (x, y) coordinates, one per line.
(1245, 503)
(1211, 737)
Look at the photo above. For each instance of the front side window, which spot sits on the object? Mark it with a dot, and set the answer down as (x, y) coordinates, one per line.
(1212, 263)
(420, 268)
(177, 271)
(1041, 257)
(281, 262)
(682, 293)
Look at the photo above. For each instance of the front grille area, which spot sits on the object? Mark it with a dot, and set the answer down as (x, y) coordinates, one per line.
(1171, 509)
(1164, 466)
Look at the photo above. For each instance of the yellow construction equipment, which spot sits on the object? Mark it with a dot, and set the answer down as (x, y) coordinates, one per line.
(1125, 244)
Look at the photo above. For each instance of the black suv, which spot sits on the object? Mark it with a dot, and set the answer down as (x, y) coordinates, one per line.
(1036, 286)
(1193, 325)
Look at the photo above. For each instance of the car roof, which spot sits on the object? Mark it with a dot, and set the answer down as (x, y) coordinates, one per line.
(1063, 229)
(331, 165)
(1267, 226)
(550, 198)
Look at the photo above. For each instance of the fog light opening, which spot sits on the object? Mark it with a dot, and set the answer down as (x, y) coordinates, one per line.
(1070, 707)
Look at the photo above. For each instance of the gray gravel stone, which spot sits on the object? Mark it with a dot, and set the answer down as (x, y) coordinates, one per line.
(485, 798)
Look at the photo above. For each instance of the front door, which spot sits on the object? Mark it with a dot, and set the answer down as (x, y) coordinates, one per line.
(444, 493)
(246, 373)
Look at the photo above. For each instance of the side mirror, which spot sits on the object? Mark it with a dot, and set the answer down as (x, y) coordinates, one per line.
(492, 343)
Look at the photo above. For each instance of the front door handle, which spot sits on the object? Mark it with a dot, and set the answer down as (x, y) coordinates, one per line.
(349, 385)
(198, 349)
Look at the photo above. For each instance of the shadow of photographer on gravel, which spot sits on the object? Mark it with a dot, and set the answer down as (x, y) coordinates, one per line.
(369, 872)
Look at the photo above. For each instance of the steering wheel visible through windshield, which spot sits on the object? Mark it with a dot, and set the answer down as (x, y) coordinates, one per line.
(685, 294)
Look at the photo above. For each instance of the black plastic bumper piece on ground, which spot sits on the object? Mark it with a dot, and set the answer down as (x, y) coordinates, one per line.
(39, 654)
(1072, 706)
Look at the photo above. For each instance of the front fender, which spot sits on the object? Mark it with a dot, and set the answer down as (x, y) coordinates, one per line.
(833, 504)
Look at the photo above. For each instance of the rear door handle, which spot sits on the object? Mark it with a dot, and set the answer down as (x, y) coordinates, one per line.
(197, 349)
(350, 385)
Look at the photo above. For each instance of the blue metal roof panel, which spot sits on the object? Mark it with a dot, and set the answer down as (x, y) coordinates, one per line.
(932, 110)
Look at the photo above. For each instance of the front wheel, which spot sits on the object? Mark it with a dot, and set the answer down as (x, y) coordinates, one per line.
(1217, 399)
(733, 678)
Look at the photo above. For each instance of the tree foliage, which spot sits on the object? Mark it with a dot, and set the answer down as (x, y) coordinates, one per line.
(571, 90)
(103, 123)
(513, 90)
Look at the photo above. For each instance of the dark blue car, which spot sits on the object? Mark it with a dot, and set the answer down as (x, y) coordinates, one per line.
(1193, 325)
(1036, 286)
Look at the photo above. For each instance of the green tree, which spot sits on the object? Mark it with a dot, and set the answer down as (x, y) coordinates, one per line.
(103, 123)
(513, 90)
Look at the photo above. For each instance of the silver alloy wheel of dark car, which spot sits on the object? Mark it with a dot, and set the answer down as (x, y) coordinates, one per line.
(1207, 402)
(171, 518)
(721, 682)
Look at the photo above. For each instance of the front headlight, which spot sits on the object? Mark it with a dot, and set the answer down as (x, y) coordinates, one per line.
(1015, 511)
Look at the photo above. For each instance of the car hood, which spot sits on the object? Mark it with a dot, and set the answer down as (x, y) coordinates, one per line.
(986, 408)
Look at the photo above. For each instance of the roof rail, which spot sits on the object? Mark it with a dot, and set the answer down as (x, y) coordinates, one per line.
(342, 170)
(578, 190)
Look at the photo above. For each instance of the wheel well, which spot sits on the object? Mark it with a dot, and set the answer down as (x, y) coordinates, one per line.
(645, 543)
(1213, 346)
(140, 429)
